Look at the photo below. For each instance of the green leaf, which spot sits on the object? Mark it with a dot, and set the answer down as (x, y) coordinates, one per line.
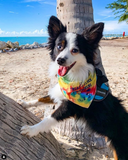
(119, 8)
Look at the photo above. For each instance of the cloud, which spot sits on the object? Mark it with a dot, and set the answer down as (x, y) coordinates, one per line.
(115, 27)
(30, 6)
(24, 33)
(111, 27)
(50, 3)
(106, 14)
(41, 2)
(13, 12)
(1, 32)
(32, 0)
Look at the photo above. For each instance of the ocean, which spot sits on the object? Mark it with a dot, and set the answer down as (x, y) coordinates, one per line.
(30, 40)
(25, 40)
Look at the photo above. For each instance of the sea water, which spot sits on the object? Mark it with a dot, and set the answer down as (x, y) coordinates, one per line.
(25, 40)
(31, 40)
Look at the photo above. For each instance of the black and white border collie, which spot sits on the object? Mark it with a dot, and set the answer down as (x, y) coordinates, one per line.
(75, 55)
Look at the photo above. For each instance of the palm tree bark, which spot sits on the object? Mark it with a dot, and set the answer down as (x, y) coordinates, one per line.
(75, 14)
(14, 146)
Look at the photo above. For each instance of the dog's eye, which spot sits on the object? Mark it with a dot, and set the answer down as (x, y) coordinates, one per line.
(74, 51)
(59, 47)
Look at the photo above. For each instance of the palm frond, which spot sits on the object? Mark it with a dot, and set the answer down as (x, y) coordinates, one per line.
(119, 8)
(124, 17)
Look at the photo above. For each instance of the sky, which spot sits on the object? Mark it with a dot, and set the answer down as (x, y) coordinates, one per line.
(30, 17)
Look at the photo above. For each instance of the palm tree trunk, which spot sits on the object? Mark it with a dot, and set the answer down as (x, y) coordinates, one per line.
(75, 14)
(14, 146)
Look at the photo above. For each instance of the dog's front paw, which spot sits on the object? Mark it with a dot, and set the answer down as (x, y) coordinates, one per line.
(23, 103)
(29, 131)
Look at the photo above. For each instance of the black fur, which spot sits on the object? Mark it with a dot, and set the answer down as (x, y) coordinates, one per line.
(55, 28)
(58, 40)
(85, 48)
(93, 34)
(108, 117)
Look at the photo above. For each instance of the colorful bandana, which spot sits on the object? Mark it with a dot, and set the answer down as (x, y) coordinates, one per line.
(79, 93)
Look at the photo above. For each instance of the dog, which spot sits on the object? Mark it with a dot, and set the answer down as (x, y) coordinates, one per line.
(73, 56)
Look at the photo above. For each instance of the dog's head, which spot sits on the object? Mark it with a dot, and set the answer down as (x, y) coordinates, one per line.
(70, 50)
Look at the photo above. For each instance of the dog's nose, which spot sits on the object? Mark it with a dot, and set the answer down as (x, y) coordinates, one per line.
(61, 61)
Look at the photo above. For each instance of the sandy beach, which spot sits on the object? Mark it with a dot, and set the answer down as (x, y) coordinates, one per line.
(24, 75)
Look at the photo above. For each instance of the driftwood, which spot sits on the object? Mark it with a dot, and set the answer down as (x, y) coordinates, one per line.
(13, 145)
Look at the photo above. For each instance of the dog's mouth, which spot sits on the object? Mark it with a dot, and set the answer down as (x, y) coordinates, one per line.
(63, 70)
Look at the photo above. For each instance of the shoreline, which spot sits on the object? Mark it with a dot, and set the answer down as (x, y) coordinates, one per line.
(12, 47)
(113, 37)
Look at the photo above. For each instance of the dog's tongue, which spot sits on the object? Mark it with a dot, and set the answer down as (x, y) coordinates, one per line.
(62, 70)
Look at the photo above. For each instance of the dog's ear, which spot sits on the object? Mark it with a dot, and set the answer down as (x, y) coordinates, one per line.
(55, 27)
(94, 33)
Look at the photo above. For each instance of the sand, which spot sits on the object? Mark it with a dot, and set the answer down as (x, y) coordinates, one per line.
(24, 75)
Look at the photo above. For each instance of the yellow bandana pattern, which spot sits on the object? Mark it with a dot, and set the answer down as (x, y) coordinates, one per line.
(79, 93)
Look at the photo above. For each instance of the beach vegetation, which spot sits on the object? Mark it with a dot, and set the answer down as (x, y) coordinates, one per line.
(120, 9)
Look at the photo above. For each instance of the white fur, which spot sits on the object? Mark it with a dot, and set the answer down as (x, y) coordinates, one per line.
(53, 68)
(79, 72)
(56, 94)
(71, 38)
(29, 104)
(43, 126)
